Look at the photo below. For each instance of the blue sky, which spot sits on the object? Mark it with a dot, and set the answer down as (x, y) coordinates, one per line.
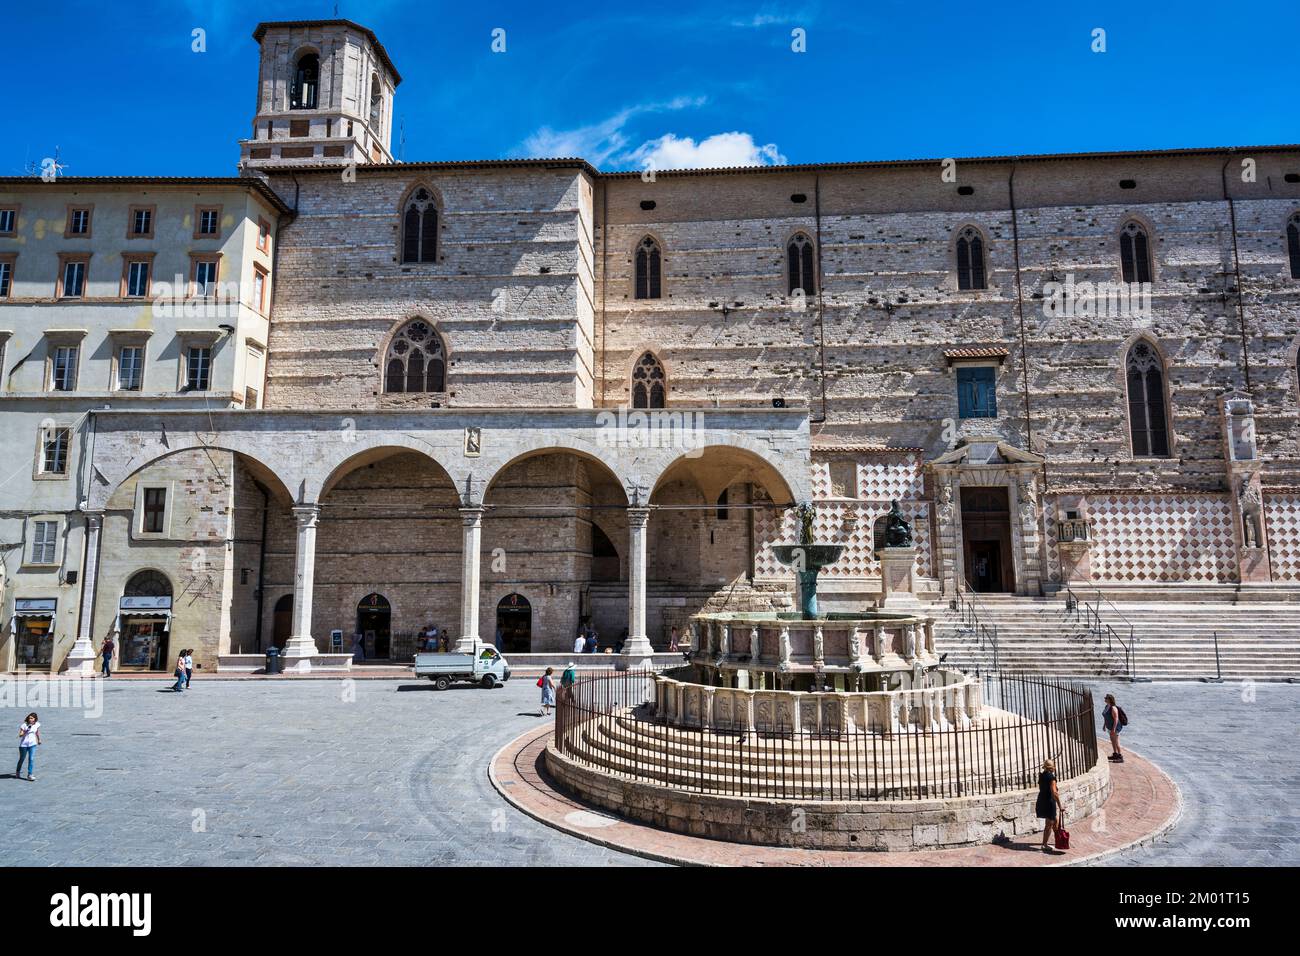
(118, 89)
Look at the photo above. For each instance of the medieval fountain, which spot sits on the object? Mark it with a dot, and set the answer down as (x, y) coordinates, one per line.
(848, 718)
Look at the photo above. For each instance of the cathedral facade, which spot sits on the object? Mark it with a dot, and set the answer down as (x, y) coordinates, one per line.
(508, 397)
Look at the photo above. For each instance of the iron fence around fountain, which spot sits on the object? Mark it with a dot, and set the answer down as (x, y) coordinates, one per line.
(608, 723)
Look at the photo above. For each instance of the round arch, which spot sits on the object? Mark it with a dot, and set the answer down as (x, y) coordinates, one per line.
(263, 473)
(716, 466)
(514, 624)
(392, 445)
(607, 466)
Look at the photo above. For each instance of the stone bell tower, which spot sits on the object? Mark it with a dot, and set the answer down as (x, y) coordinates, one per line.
(324, 95)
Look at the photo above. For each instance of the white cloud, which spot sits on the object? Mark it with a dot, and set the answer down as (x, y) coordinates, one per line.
(598, 142)
(721, 149)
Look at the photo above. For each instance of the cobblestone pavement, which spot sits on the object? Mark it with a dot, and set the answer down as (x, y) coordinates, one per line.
(394, 773)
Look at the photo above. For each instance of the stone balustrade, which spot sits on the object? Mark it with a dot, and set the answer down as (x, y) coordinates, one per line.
(951, 699)
(883, 643)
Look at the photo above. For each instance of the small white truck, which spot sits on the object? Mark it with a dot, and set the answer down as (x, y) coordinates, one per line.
(485, 667)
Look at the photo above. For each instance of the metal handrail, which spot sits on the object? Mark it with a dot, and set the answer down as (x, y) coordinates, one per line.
(968, 607)
(1099, 628)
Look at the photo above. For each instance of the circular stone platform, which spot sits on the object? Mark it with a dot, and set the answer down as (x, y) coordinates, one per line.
(1144, 803)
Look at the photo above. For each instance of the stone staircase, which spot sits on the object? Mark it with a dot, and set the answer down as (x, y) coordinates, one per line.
(1175, 639)
(631, 744)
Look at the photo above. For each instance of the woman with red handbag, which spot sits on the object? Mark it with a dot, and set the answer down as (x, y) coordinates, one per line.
(547, 683)
(1048, 807)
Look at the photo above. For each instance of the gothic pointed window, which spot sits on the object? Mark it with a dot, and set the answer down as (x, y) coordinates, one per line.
(1148, 418)
(970, 259)
(1293, 244)
(415, 361)
(648, 269)
(800, 263)
(306, 83)
(649, 388)
(1134, 253)
(420, 228)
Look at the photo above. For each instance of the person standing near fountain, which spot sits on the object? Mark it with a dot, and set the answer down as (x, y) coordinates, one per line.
(1048, 807)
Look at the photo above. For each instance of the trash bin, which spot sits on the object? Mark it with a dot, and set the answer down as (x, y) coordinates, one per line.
(274, 662)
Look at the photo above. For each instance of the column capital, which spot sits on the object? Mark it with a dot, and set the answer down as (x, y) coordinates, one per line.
(471, 515)
(638, 516)
(306, 514)
(94, 519)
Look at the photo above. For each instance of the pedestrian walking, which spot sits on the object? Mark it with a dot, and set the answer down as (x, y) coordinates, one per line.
(106, 654)
(589, 646)
(189, 666)
(672, 639)
(180, 673)
(29, 736)
(1113, 719)
(547, 683)
(1048, 807)
(567, 680)
(579, 642)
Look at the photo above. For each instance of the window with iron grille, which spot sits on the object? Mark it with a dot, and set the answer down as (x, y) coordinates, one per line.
(44, 541)
(977, 392)
(801, 262)
(54, 450)
(1135, 253)
(155, 510)
(648, 269)
(130, 368)
(63, 369)
(420, 228)
(6, 278)
(198, 367)
(970, 259)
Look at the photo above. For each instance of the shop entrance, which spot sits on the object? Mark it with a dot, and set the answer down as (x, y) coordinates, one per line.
(144, 642)
(374, 624)
(515, 624)
(144, 621)
(986, 538)
(34, 633)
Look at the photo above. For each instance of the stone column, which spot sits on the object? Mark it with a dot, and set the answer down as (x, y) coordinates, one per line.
(470, 568)
(636, 649)
(301, 646)
(81, 659)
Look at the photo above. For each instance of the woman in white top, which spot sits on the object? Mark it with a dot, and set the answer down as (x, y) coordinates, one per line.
(189, 666)
(29, 735)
